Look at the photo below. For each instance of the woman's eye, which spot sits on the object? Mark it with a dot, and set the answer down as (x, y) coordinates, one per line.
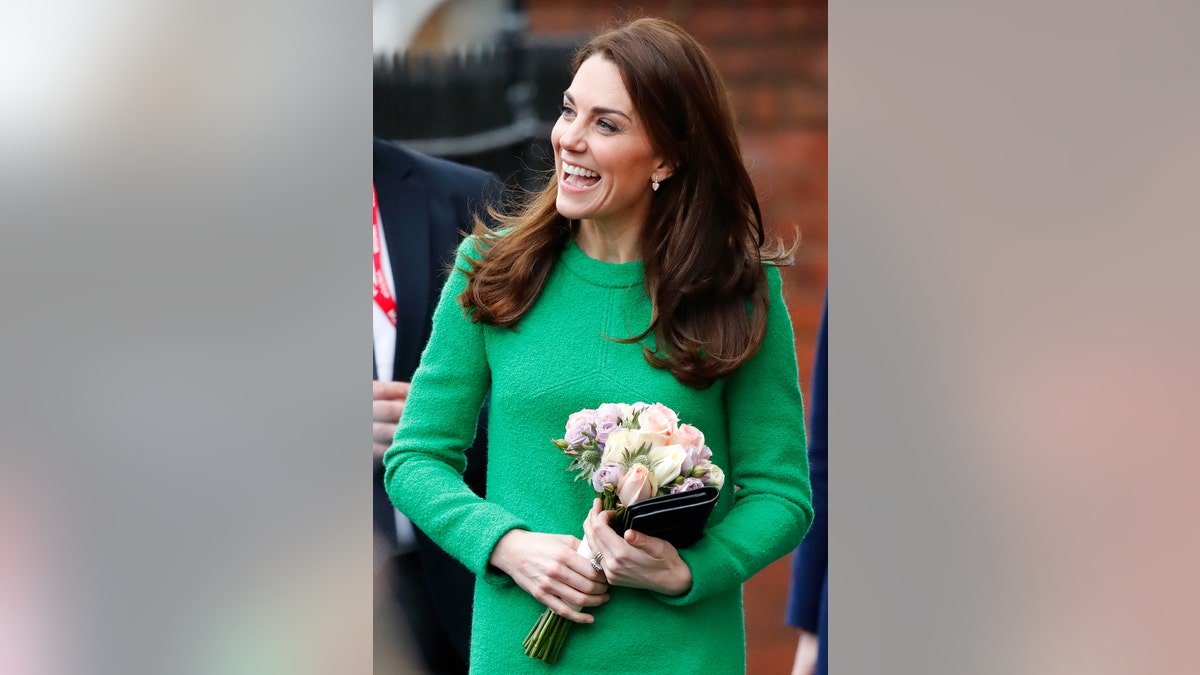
(565, 110)
(608, 126)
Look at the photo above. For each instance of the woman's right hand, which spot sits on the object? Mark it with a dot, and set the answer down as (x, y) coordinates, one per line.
(548, 568)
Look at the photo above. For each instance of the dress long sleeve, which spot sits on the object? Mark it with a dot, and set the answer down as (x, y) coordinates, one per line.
(772, 506)
(424, 465)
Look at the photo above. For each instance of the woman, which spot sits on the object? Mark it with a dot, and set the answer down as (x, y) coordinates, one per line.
(638, 274)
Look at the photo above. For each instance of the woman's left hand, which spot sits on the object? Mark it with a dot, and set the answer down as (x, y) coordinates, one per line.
(636, 560)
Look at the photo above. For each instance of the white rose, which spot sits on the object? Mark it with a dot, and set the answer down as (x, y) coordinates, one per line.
(619, 442)
(626, 412)
(716, 477)
(665, 462)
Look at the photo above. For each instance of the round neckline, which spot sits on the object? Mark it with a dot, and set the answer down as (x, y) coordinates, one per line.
(601, 273)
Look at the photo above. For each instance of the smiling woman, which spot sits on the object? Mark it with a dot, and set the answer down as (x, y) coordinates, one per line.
(605, 161)
(640, 273)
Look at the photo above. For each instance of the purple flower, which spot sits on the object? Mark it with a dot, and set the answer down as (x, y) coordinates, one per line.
(608, 472)
(695, 455)
(575, 433)
(688, 484)
(604, 428)
(608, 419)
(608, 412)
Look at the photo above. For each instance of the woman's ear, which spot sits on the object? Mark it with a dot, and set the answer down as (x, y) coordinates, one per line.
(664, 170)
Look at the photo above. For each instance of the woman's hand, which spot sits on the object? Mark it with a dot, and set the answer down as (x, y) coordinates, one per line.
(636, 560)
(549, 569)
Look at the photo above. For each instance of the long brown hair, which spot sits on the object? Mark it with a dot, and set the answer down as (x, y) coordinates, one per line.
(703, 246)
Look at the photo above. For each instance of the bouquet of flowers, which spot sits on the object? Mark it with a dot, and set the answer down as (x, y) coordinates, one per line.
(630, 454)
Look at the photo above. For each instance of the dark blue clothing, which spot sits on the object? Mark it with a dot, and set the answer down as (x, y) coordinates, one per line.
(425, 205)
(808, 604)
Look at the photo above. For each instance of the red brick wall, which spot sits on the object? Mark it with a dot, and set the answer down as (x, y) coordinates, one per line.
(773, 57)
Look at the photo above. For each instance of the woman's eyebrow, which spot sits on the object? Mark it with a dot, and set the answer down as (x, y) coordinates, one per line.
(598, 110)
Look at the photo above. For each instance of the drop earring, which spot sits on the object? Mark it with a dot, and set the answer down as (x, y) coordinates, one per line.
(655, 183)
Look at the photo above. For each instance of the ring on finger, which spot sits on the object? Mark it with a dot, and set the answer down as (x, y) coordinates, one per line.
(595, 565)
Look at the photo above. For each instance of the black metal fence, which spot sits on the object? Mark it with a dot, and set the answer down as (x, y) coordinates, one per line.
(492, 108)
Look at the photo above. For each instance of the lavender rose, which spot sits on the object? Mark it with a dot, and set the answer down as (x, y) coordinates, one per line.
(695, 455)
(580, 417)
(609, 412)
(608, 473)
(605, 426)
(688, 484)
(575, 433)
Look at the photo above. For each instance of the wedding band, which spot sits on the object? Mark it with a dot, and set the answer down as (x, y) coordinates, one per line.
(595, 565)
(599, 556)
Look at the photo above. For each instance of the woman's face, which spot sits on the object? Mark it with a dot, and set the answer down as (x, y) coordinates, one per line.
(602, 152)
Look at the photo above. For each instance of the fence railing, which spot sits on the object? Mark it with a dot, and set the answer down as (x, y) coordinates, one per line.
(491, 108)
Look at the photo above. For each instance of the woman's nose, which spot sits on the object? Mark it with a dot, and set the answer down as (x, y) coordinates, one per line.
(572, 136)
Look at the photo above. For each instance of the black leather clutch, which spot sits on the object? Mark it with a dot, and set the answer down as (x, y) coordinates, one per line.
(678, 518)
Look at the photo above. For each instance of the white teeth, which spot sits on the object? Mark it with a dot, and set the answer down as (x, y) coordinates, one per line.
(579, 171)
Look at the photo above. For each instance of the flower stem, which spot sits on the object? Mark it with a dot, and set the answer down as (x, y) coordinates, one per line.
(545, 640)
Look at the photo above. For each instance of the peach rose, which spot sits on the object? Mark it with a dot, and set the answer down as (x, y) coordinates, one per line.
(635, 485)
(687, 435)
(658, 421)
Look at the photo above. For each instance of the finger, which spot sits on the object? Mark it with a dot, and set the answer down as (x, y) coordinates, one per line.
(577, 598)
(577, 591)
(644, 544)
(387, 411)
(587, 524)
(597, 575)
(378, 449)
(567, 540)
(579, 574)
(652, 546)
(563, 599)
(389, 390)
(382, 432)
(603, 534)
(587, 533)
(635, 539)
(562, 609)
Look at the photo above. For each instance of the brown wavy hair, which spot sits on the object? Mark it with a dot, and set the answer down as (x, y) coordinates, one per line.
(703, 246)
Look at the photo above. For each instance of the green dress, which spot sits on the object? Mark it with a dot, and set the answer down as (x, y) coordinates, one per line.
(557, 361)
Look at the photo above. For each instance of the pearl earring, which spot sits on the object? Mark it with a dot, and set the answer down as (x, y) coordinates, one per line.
(655, 183)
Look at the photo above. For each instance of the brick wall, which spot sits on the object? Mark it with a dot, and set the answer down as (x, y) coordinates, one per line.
(772, 55)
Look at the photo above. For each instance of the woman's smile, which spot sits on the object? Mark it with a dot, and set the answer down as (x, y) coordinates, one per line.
(577, 179)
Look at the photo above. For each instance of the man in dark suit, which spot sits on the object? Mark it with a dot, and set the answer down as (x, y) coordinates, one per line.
(422, 205)
(808, 606)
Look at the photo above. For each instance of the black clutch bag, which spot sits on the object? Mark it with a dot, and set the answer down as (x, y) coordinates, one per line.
(678, 518)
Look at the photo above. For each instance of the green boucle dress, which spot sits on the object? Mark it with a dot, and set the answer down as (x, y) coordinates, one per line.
(558, 361)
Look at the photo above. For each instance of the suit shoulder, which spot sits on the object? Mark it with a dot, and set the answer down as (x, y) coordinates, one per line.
(444, 173)
(458, 174)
